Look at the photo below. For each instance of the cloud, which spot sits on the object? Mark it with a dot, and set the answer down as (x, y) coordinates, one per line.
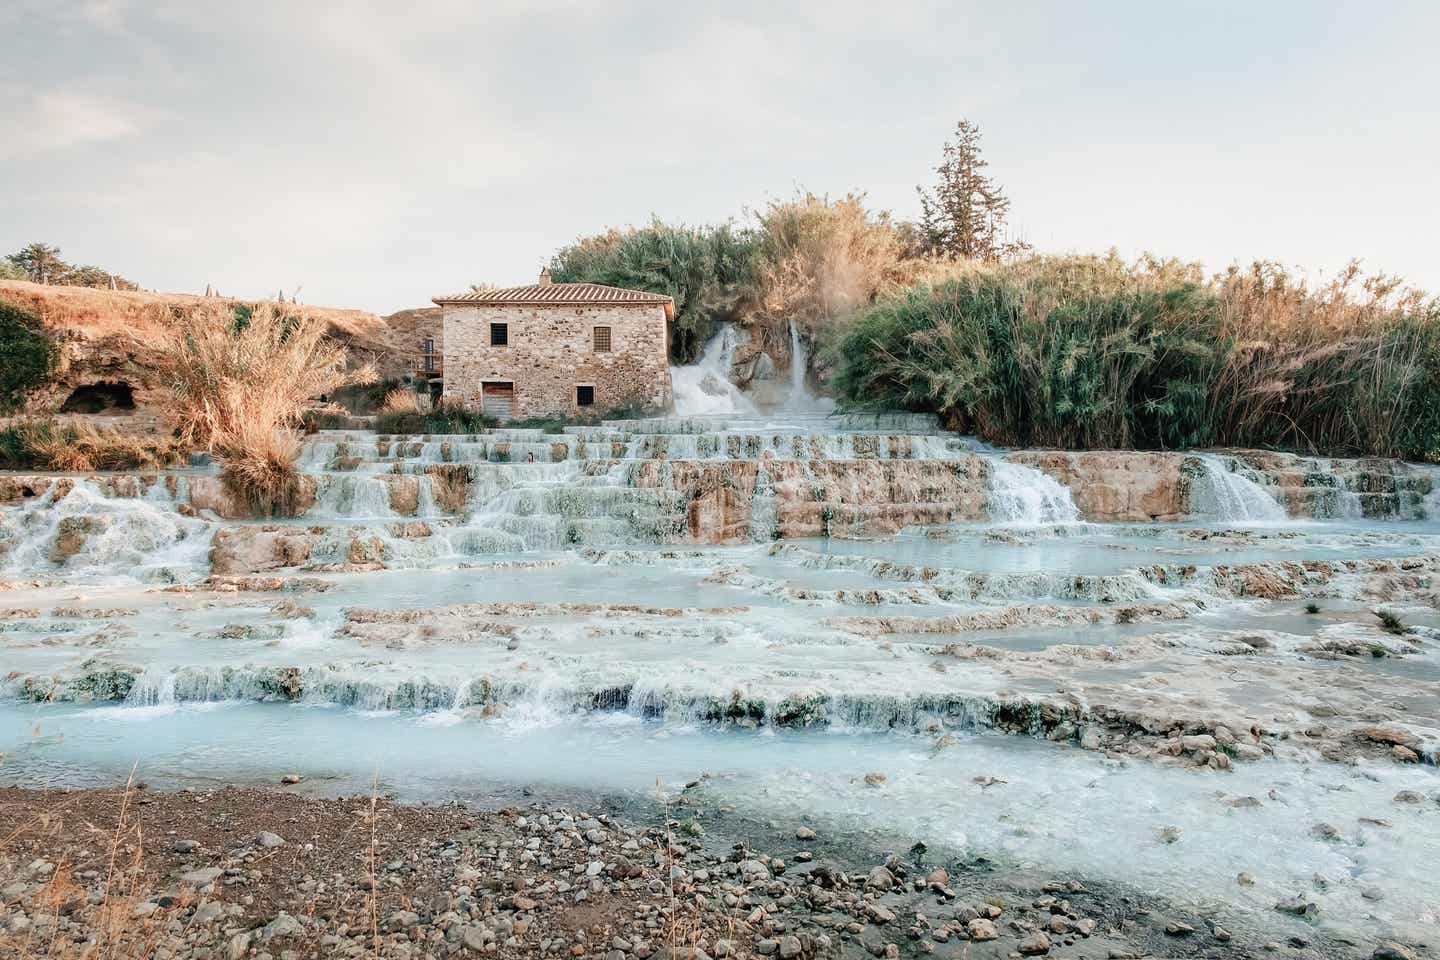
(58, 119)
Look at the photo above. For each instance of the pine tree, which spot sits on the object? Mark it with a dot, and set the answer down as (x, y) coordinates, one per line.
(965, 217)
(41, 262)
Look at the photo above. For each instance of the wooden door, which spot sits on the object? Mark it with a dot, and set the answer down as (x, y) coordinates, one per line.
(499, 400)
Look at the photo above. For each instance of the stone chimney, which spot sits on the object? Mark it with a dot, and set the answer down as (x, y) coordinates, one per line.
(545, 280)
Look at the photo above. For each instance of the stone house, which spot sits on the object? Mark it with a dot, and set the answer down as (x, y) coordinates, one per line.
(556, 349)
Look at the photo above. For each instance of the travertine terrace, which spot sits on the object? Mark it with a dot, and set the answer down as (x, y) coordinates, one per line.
(859, 622)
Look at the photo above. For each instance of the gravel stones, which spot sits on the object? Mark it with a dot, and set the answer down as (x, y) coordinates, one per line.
(982, 929)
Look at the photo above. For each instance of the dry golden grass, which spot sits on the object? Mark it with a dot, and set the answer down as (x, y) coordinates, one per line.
(115, 931)
(258, 462)
(821, 259)
(227, 376)
(1294, 345)
(81, 446)
(99, 312)
(401, 400)
(241, 389)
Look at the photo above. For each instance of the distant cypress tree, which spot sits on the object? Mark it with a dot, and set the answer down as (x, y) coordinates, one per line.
(964, 218)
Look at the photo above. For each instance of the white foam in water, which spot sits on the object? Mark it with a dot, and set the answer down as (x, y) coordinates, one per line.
(762, 508)
(1430, 506)
(347, 495)
(1234, 497)
(612, 699)
(1023, 496)
(801, 400)
(703, 388)
(124, 537)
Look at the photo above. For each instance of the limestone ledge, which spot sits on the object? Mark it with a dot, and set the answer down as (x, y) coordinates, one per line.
(1144, 486)
(817, 497)
(243, 551)
(1117, 485)
(1296, 711)
(18, 487)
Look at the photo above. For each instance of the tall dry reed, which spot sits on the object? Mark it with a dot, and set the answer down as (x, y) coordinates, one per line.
(1087, 352)
(78, 445)
(241, 381)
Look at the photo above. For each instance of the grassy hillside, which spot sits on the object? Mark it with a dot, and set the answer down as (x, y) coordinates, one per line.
(111, 337)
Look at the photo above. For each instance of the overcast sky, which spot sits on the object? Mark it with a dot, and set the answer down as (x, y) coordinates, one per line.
(376, 154)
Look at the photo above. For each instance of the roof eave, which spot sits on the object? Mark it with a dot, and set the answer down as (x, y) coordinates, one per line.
(667, 303)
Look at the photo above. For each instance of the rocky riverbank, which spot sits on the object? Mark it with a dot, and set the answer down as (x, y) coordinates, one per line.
(237, 873)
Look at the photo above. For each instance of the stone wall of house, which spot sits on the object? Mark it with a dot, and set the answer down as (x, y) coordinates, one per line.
(551, 352)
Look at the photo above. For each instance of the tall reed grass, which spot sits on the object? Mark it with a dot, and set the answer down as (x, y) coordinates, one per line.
(241, 382)
(1092, 352)
(77, 445)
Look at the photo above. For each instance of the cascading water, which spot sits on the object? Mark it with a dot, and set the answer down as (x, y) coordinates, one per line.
(89, 534)
(1023, 496)
(623, 591)
(704, 388)
(762, 508)
(801, 400)
(352, 495)
(1229, 496)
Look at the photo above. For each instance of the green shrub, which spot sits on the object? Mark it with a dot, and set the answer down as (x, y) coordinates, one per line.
(548, 424)
(1036, 357)
(1390, 622)
(27, 355)
(446, 418)
(456, 418)
(711, 272)
(634, 411)
(400, 422)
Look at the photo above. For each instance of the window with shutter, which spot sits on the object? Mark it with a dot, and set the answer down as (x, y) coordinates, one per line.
(602, 339)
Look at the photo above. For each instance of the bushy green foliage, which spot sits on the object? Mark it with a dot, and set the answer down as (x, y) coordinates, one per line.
(1022, 360)
(547, 424)
(639, 411)
(14, 451)
(10, 270)
(1390, 622)
(27, 355)
(1088, 352)
(711, 272)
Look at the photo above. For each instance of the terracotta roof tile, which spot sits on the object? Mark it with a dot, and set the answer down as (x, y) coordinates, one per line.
(557, 293)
